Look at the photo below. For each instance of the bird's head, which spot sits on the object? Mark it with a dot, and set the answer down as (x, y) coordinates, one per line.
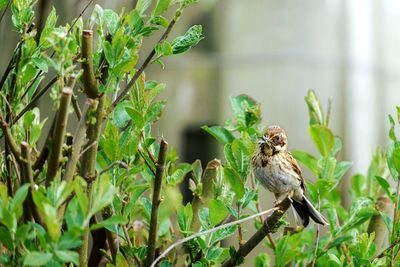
(273, 141)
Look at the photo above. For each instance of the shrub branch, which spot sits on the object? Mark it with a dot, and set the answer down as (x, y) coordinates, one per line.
(268, 226)
(156, 202)
(59, 133)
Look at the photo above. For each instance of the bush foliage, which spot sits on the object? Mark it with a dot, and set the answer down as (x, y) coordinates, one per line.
(107, 192)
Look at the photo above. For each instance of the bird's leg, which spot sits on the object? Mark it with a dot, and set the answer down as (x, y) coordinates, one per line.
(276, 202)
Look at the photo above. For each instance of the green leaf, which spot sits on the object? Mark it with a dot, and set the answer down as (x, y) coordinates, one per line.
(391, 153)
(392, 133)
(222, 234)
(3, 3)
(68, 256)
(337, 146)
(314, 108)
(120, 116)
(112, 221)
(323, 139)
(185, 215)
(396, 157)
(40, 63)
(19, 198)
(142, 5)
(112, 20)
(35, 258)
(191, 38)
(197, 170)
(220, 133)
(263, 260)
(246, 110)
(102, 193)
(337, 241)
(358, 183)
(154, 111)
(6, 238)
(218, 211)
(161, 7)
(136, 116)
(242, 151)
(307, 160)
(341, 168)
(384, 185)
(186, 3)
(233, 179)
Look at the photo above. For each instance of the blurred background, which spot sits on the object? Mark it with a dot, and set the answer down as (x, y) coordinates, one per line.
(275, 51)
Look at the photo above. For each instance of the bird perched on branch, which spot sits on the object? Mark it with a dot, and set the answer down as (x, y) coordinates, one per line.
(278, 171)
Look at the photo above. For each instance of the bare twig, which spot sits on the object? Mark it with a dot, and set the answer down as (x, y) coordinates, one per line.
(268, 226)
(162, 155)
(79, 140)
(41, 159)
(146, 62)
(209, 231)
(146, 162)
(34, 99)
(120, 163)
(314, 260)
(59, 132)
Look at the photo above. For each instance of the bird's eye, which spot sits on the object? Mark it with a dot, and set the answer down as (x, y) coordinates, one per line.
(277, 138)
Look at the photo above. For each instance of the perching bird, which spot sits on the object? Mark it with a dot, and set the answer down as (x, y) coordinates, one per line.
(278, 171)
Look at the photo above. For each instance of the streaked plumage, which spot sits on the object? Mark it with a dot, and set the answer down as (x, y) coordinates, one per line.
(278, 171)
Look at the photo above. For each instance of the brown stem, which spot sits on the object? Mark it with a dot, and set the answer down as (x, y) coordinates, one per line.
(44, 153)
(268, 226)
(76, 107)
(88, 78)
(83, 251)
(146, 62)
(156, 202)
(120, 163)
(78, 142)
(59, 133)
(88, 168)
(15, 150)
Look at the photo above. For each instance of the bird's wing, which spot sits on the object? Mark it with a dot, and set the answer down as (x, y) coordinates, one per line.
(296, 168)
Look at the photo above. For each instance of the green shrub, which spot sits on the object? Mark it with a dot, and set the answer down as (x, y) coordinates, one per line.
(108, 191)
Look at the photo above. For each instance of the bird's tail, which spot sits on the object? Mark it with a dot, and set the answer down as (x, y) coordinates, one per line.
(306, 210)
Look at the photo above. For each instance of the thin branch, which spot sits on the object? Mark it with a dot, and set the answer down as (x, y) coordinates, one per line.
(79, 140)
(268, 226)
(146, 162)
(44, 153)
(75, 105)
(59, 133)
(27, 174)
(120, 163)
(15, 150)
(146, 62)
(89, 80)
(88, 171)
(209, 231)
(162, 155)
(34, 99)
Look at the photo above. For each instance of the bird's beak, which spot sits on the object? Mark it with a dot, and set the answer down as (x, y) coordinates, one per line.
(264, 140)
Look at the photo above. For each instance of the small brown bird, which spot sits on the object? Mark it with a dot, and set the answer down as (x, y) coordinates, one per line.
(278, 171)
